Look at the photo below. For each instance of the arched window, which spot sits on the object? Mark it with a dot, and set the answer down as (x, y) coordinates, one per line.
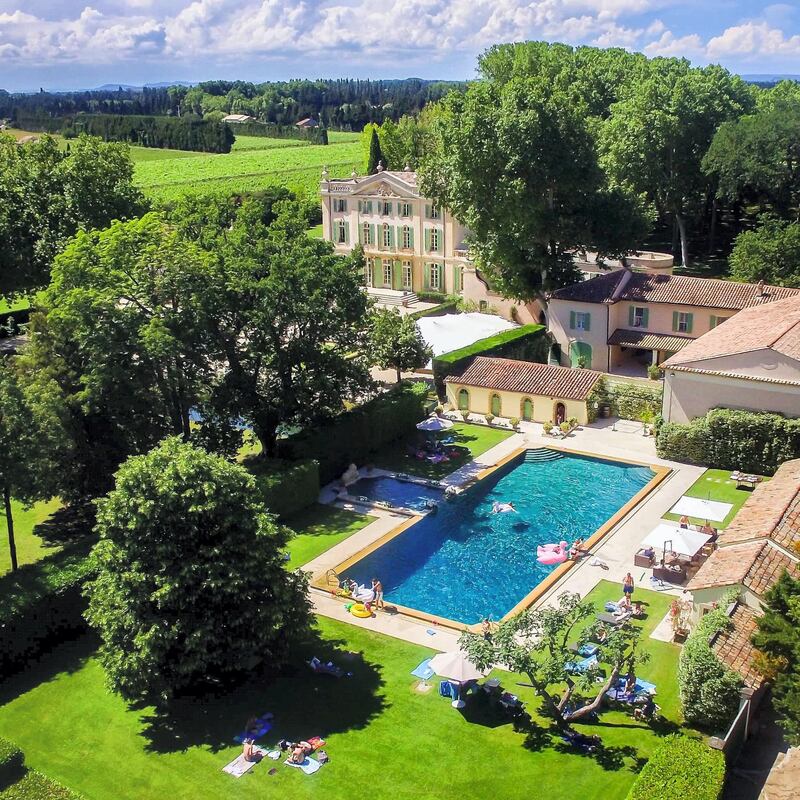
(463, 400)
(580, 355)
(496, 405)
(527, 409)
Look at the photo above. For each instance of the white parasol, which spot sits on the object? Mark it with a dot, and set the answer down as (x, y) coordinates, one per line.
(679, 540)
(456, 667)
(434, 424)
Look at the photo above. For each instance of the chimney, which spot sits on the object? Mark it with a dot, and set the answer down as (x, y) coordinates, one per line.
(761, 291)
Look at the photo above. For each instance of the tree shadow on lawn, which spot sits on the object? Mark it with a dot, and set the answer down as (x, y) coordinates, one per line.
(304, 704)
(67, 524)
(610, 757)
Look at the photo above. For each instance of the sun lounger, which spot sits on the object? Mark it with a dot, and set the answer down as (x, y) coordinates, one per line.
(579, 667)
(423, 671)
(308, 765)
(642, 688)
(260, 728)
(446, 689)
(584, 650)
(612, 619)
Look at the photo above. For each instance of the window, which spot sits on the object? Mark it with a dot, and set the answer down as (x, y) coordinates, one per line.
(407, 275)
(387, 272)
(366, 233)
(432, 212)
(435, 276)
(407, 240)
(580, 320)
(527, 409)
(341, 232)
(365, 206)
(682, 322)
(386, 208)
(339, 204)
(405, 209)
(368, 272)
(387, 235)
(463, 400)
(717, 321)
(496, 405)
(637, 317)
(434, 243)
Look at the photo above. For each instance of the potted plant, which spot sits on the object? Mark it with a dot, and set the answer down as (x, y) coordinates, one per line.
(646, 418)
(547, 427)
(489, 419)
(565, 428)
(653, 372)
(573, 423)
(514, 422)
(465, 416)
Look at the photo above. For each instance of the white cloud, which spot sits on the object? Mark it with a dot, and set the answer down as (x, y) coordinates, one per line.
(690, 46)
(753, 39)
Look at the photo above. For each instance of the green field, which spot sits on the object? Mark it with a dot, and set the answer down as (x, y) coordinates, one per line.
(265, 143)
(15, 305)
(139, 154)
(30, 547)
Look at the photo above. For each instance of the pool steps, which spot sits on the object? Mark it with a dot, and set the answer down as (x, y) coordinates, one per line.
(539, 455)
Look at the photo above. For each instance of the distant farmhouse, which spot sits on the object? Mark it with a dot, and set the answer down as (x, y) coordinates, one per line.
(238, 119)
(308, 122)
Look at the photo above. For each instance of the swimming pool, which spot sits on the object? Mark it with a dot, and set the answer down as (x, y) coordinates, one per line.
(404, 494)
(465, 562)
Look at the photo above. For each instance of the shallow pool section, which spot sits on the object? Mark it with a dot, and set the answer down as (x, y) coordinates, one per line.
(403, 494)
(466, 562)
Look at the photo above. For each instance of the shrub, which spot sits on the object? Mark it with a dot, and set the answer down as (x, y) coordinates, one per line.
(42, 605)
(432, 297)
(354, 436)
(627, 400)
(489, 419)
(448, 307)
(709, 690)
(564, 427)
(465, 415)
(35, 786)
(514, 421)
(286, 486)
(275, 131)
(756, 442)
(653, 372)
(12, 762)
(681, 769)
(547, 427)
(573, 422)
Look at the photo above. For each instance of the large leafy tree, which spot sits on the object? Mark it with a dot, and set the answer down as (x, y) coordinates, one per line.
(770, 253)
(778, 641)
(191, 586)
(33, 443)
(537, 644)
(396, 342)
(655, 138)
(516, 162)
(47, 194)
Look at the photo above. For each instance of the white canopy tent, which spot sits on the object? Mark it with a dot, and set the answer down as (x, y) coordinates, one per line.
(452, 331)
(671, 538)
(701, 509)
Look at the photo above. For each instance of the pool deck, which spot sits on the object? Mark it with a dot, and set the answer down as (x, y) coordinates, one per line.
(621, 440)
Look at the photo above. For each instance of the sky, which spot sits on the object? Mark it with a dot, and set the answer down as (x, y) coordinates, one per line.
(67, 44)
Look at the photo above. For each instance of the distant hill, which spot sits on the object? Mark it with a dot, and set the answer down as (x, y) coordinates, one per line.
(126, 87)
(769, 78)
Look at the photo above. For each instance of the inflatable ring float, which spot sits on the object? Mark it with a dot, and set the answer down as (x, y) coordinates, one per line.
(360, 610)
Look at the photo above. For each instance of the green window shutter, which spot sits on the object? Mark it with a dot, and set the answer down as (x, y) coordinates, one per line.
(397, 275)
(346, 227)
(372, 234)
(689, 320)
(411, 237)
(391, 236)
(427, 240)
(427, 275)
(645, 317)
(398, 233)
(360, 207)
(377, 269)
(631, 316)
(572, 320)
(712, 321)
(675, 320)
(361, 234)
(587, 322)
(427, 212)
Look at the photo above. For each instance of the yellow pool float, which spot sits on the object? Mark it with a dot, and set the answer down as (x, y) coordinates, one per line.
(360, 610)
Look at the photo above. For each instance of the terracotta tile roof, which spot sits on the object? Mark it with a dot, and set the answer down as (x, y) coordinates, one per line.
(679, 290)
(727, 566)
(505, 374)
(767, 567)
(775, 326)
(772, 510)
(734, 648)
(647, 340)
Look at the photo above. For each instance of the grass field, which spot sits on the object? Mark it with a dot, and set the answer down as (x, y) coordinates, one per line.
(318, 528)
(30, 547)
(15, 305)
(715, 484)
(383, 737)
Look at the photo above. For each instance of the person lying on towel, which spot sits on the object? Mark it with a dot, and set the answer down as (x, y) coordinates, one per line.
(250, 751)
(299, 752)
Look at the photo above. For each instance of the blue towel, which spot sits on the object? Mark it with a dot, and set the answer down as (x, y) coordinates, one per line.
(642, 687)
(445, 689)
(423, 671)
(588, 650)
(581, 666)
(609, 606)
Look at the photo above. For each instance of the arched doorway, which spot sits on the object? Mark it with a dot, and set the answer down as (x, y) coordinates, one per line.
(463, 400)
(526, 412)
(580, 355)
(496, 405)
(560, 413)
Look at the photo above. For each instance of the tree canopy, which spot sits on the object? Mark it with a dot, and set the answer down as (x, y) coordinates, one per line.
(191, 586)
(770, 253)
(396, 342)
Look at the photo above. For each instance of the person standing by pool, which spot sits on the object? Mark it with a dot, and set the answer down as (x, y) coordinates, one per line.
(627, 585)
(377, 588)
(684, 521)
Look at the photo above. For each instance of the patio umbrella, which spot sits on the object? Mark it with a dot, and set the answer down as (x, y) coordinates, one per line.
(456, 667)
(434, 424)
(679, 540)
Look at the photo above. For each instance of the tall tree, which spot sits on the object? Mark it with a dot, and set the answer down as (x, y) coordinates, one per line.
(191, 587)
(537, 644)
(396, 342)
(770, 253)
(47, 194)
(374, 157)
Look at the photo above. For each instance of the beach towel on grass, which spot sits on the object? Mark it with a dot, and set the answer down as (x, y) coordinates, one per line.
(308, 765)
(262, 726)
(240, 764)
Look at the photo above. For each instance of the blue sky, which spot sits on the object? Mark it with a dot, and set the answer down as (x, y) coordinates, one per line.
(65, 44)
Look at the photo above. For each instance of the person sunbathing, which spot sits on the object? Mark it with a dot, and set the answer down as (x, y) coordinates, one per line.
(576, 549)
(299, 752)
(250, 752)
(630, 683)
(637, 610)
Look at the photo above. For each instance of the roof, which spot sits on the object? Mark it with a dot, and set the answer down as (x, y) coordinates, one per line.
(237, 118)
(308, 122)
(735, 649)
(772, 511)
(648, 341)
(362, 182)
(784, 777)
(674, 289)
(525, 377)
(772, 327)
(726, 566)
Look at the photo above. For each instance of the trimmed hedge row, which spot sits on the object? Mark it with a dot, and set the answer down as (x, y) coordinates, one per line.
(756, 442)
(354, 436)
(276, 131)
(681, 769)
(12, 763)
(287, 487)
(448, 307)
(42, 604)
(35, 786)
(526, 343)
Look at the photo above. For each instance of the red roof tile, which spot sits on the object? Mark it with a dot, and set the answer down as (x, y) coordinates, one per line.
(735, 647)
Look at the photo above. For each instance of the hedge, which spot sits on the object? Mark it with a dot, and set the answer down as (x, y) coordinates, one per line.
(353, 437)
(35, 786)
(681, 769)
(629, 401)
(526, 343)
(42, 604)
(275, 131)
(448, 307)
(287, 487)
(757, 442)
(432, 297)
(12, 763)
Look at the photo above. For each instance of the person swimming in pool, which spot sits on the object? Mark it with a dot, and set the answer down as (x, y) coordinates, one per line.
(502, 508)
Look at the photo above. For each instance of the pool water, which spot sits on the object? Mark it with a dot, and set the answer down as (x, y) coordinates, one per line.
(404, 494)
(465, 562)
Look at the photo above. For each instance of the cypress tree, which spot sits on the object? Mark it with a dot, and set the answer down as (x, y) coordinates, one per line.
(375, 154)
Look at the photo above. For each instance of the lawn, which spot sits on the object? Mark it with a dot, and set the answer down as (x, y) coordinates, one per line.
(265, 143)
(383, 737)
(318, 528)
(30, 547)
(715, 484)
(20, 304)
(140, 154)
(472, 439)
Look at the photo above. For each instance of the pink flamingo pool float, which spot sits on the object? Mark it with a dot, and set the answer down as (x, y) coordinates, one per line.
(552, 553)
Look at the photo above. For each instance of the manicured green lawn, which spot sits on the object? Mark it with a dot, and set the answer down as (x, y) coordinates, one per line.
(16, 305)
(316, 232)
(384, 738)
(715, 484)
(472, 439)
(318, 528)
(30, 547)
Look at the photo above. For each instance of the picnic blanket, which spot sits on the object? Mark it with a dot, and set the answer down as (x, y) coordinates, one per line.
(308, 765)
(581, 666)
(240, 765)
(642, 688)
(423, 671)
(701, 509)
(262, 726)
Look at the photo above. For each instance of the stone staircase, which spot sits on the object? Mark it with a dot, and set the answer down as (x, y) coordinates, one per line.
(539, 455)
(391, 297)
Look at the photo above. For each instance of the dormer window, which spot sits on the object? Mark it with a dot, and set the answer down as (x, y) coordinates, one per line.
(340, 205)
